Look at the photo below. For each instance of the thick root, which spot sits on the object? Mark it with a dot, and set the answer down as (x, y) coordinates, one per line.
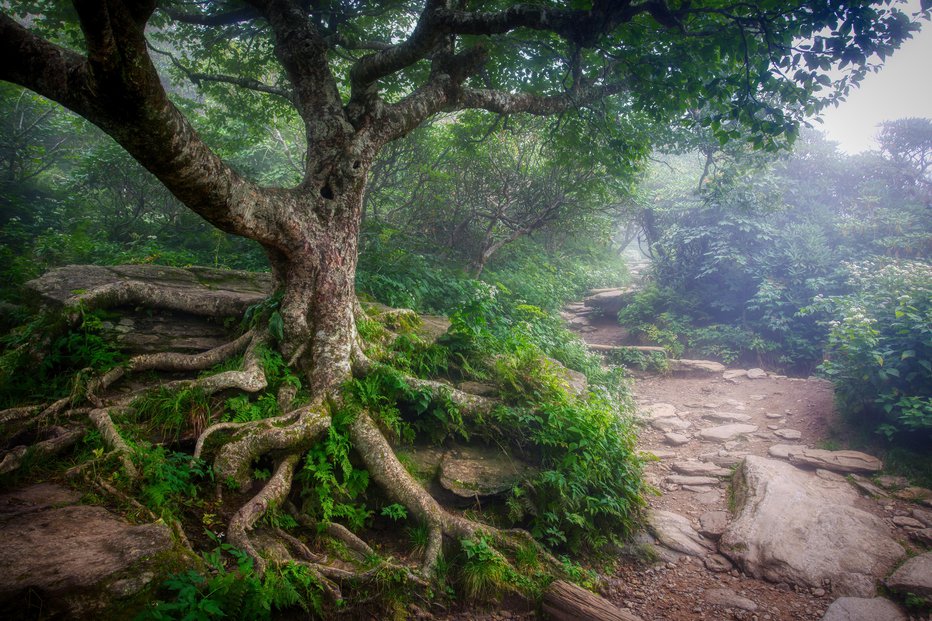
(275, 492)
(256, 439)
(61, 439)
(113, 439)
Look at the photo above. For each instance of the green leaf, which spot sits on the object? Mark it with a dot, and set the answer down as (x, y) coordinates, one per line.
(277, 326)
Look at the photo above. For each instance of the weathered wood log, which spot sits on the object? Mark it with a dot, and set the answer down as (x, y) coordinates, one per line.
(564, 601)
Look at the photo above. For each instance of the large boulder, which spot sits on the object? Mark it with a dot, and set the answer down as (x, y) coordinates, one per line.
(914, 576)
(836, 461)
(79, 561)
(676, 532)
(608, 301)
(863, 609)
(796, 527)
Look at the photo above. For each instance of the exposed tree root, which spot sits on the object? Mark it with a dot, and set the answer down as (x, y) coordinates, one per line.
(12, 415)
(61, 438)
(112, 438)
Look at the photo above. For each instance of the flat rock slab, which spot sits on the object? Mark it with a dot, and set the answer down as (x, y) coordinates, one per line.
(675, 439)
(727, 417)
(723, 433)
(675, 532)
(674, 423)
(685, 480)
(683, 365)
(756, 374)
(712, 524)
(476, 472)
(914, 576)
(658, 410)
(783, 451)
(726, 598)
(788, 434)
(863, 609)
(797, 528)
(77, 559)
(732, 374)
(837, 461)
(699, 468)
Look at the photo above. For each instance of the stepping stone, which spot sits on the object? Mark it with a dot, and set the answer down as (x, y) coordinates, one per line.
(913, 576)
(907, 522)
(727, 417)
(757, 374)
(796, 528)
(660, 454)
(659, 410)
(774, 415)
(773, 427)
(723, 433)
(788, 434)
(923, 516)
(713, 523)
(837, 461)
(783, 451)
(697, 489)
(732, 374)
(863, 609)
(698, 468)
(892, 482)
(828, 475)
(915, 494)
(675, 532)
(726, 598)
(867, 487)
(923, 536)
(723, 459)
(709, 498)
(703, 405)
(671, 424)
(675, 439)
(678, 479)
(477, 472)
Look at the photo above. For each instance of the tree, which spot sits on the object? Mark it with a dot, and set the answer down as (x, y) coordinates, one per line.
(360, 75)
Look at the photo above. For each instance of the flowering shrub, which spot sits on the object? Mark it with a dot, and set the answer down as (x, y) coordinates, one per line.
(880, 346)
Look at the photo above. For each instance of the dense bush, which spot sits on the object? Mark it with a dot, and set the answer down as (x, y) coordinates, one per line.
(880, 348)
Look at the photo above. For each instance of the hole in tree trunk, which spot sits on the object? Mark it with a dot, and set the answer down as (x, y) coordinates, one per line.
(327, 192)
(357, 164)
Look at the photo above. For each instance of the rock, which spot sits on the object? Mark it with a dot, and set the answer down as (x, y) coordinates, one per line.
(923, 536)
(727, 417)
(757, 374)
(670, 424)
(923, 516)
(795, 527)
(675, 532)
(682, 365)
(867, 487)
(783, 451)
(658, 410)
(828, 475)
(608, 301)
(907, 522)
(698, 489)
(478, 388)
(724, 459)
(709, 498)
(837, 461)
(432, 327)
(732, 374)
(914, 576)
(685, 480)
(717, 563)
(774, 415)
(662, 454)
(713, 523)
(423, 460)
(915, 494)
(726, 598)
(698, 468)
(892, 482)
(475, 472)
(863, 609)
(79, 560)
(675, 439)
(788, 434)
(724, 433)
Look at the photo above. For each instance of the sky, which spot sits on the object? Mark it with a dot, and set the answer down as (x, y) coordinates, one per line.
(902, 88)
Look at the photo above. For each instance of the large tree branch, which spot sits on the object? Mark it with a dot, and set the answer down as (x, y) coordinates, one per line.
(542, 105)
(118, 89)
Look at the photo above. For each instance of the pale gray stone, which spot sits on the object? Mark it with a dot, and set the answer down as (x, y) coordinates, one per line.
(726, 598)
(914, 576)
(717, 563)
(675, 532)
(687, 480)
(788, 434)
(695, 366)
(795, 527)
(837, 461)
(757, 374)
(907, 522)
(782, 451)
(658, 410)
(713, 523)
(727, 417)
(671, 424)
(699, 468)
(724, 433)
(732, 374)
(923, 516)
(675, 439)
(892, 482)
(471, 472)
(863, 609)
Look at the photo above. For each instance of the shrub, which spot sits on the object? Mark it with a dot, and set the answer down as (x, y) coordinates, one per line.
(880, 347)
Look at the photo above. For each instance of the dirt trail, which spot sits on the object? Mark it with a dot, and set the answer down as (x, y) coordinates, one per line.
(708, 587)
